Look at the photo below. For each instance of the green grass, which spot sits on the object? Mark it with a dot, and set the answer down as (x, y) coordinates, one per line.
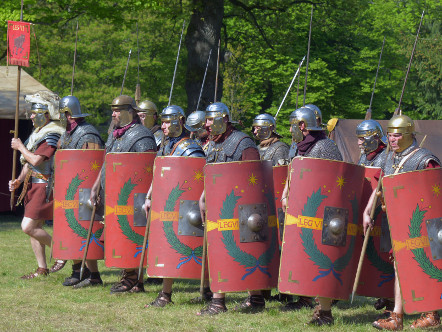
(44, 304)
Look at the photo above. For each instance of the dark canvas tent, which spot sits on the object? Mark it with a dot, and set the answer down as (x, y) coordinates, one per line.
(8, 95)
(344, 134)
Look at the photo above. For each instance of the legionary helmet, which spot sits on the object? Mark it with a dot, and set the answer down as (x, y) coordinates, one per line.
(371, 132)
(196, 122)
(173, 114)
(218, 111)
(71, 105)
(266, 126)
(150, 110)
(126, 106)
(404, 125)
(306, 115)
(39, 110)
(318, 113)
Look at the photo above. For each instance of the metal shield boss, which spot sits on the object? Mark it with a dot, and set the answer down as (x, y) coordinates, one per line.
(176, 231)
(242, 233)
(279, 179)
(377, 274)
(75, 174)
(321, 245)
(414, 210)
(128, 178)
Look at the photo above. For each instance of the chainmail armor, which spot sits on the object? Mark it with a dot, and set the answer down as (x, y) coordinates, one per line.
(136, 139)
(377, 161)
(82, 134)
(230, 149)
(325, 149)
(419, 160)
(277, 152)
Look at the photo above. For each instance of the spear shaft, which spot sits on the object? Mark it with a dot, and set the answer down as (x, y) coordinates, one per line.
(368, 113)
(75, 57)
(204, 79)
(176, 64)
(217, 70)
(125, 72)
(308, 55)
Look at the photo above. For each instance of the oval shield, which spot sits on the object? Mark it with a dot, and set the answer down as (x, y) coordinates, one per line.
(279, 179)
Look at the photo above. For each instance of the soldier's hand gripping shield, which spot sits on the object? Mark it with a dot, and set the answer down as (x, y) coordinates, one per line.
(377, 274)
(75, 174)
(176, 230)
(414, 210)
(128, 178)
(242, 233)
(279, 179)
(321, 243)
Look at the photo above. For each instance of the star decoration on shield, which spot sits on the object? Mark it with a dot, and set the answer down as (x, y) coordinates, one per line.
(147, 169)
(436, 190)
(198, 175)
(95, 166)
(340, 181)
(253, 179)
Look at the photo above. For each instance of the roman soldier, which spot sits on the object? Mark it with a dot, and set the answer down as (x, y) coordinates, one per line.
(37, 159)
(128, 135)
(270, 147)
(370, 142)
(405, 156)
(196, 124)
(177, 143)
(149, 115)
(311, 141)
(79, 135)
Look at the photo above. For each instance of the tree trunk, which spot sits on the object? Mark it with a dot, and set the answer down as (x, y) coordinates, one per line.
(203, 33)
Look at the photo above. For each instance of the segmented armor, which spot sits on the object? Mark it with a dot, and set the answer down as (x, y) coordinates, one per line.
(325, 149)
(230, 149)
(158, 134)
(136, 139)
(187, 147)
(277, 152)
(416, 160)
(377, 161)
(82, 134)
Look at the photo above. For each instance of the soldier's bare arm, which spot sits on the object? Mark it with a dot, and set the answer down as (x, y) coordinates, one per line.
(32, 158)
(95, 199)
(366, 220)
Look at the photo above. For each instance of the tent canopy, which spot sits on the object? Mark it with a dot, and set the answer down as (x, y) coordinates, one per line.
(345, 137)
(8, 91)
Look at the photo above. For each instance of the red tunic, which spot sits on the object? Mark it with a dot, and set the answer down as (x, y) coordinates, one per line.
(36, 206)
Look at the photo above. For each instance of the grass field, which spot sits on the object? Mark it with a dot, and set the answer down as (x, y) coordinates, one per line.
(44, 304)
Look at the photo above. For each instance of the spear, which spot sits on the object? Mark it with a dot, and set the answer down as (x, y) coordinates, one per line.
(75, 57)
(204, 79)
(297, 94)
(308, 54)
(176, 63)
(373, 207)
(17, 105)
(143, 250)
(125, 72)
(217, 69)
(368, 113)
(290, 86)
(138, 87)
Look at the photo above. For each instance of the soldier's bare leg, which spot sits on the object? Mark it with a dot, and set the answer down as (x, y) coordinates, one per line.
(165, 296)
(39, 238)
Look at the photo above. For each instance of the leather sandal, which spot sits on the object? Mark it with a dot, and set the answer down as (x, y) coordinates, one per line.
(253, 303)
(127, 282)
(58, 265)
(321, 317)
(89, 282)
(392, 323)
(74, 278)
(207, 296)
(303, 302)
(39, 272)
(161, 301)
(138, 288)
(427, 320)
(215, 307)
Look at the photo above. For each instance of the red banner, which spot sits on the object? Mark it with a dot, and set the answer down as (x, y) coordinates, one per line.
(19, 43)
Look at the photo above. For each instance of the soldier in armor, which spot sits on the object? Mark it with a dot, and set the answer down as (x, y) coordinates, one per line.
(128, 135)
(270, 147)
(405, 156)
(149, 115)
(176, 143)
(196, 124)
(311, 141)
(227, 144)
(37, 155)
(318, 114)
(79, 135)
(370, 142)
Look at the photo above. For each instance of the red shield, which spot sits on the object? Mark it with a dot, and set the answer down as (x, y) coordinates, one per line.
(320, 246)
(239, 197)
(176, 231)
(128, 178)
(377, 274)
(414, 210)
(75, 173)
(279, 180)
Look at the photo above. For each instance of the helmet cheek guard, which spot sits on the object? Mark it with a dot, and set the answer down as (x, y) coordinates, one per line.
(263, 132)
(370, 143)
(63, 119)
(218, 126)
(39, 119)
(296, 132)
